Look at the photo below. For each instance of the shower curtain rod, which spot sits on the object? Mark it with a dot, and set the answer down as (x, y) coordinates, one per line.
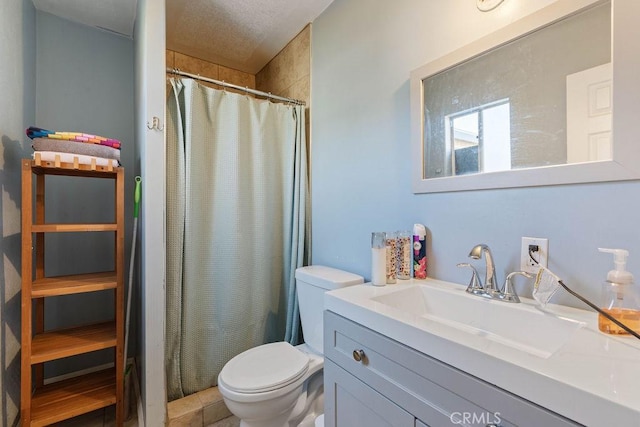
(244, 89)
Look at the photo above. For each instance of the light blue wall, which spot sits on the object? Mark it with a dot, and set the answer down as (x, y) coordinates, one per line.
(84, 83)
(82, 79)
(363, 51)
(17, 111)
(150, 81)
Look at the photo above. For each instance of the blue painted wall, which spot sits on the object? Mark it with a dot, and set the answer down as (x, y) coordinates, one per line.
(362, 53)
(84, 82)
(64, 76)
(17, 111)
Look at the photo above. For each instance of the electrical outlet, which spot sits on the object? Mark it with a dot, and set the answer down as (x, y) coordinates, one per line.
(541, 255)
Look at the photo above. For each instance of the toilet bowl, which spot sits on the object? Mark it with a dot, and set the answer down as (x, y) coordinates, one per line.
(277, 384)
(273, 384)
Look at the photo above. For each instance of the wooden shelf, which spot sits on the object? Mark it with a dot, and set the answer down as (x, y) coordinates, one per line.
(75, 284)
(69, 398)
(75, 166)
(73, 341)
(72, 397)
(69, 228)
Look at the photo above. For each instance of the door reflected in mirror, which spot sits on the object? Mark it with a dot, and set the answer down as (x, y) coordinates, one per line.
(543, 99)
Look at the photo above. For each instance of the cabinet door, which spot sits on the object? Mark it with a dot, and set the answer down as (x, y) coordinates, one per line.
(351, 403)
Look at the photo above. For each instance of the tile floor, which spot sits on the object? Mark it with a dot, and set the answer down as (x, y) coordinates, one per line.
(105, 418)
(101, 418)
(231, 421)
(203, 409)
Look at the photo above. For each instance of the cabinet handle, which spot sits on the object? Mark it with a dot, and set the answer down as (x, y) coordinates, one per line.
(358, 355)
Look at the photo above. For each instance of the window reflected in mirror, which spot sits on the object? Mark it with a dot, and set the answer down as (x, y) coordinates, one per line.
(480, 140)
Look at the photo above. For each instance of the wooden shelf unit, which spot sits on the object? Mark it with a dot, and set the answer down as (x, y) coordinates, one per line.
(45, 404)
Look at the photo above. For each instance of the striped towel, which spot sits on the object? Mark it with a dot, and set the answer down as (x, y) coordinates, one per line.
(97, 150)
(34, 132)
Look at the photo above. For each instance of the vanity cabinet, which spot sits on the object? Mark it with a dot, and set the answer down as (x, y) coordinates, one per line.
(372, 380)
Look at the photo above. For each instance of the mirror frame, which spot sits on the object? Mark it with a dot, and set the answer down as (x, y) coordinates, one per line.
(625, 164)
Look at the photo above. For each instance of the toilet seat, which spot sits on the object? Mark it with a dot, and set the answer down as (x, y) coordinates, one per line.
(264, 368)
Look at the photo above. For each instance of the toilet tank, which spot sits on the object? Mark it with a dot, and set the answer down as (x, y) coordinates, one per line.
(311, 284)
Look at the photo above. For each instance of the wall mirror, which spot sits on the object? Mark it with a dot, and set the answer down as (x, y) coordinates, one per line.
(546, 100)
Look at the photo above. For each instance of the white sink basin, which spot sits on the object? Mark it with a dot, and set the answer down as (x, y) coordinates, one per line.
(519, 326)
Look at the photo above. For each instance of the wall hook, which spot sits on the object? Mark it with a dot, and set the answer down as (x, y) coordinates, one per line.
(488, 5)
(155, 124)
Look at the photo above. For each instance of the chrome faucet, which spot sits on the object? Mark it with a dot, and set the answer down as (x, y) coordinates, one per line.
(490, 288)
(490, 282)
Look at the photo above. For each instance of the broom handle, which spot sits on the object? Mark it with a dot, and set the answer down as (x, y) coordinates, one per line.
(599, 310)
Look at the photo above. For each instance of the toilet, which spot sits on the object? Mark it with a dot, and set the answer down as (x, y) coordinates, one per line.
(277, 384)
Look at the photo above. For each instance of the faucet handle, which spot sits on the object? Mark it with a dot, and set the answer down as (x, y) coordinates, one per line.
(475, 287)
(508, 294)
(490, 282)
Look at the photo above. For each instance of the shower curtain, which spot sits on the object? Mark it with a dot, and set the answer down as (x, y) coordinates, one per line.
(236, 228)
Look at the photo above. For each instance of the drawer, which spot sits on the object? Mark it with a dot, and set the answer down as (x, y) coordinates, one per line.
(429, 389)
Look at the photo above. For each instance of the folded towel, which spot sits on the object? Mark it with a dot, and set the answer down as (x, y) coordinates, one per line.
(62, 146)
(50, 156)
(35, 132)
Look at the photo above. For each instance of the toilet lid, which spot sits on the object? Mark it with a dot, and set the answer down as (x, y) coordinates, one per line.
(264, 368)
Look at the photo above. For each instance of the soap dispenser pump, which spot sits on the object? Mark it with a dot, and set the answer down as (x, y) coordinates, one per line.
(620, 299)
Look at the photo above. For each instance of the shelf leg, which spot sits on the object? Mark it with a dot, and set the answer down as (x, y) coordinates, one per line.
(26, 303)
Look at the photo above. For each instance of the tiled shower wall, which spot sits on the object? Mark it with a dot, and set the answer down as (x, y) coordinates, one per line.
(210, 70)
(288, 74)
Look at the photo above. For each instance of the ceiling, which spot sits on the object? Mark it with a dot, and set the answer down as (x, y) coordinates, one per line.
(116, 16)
(240, 34)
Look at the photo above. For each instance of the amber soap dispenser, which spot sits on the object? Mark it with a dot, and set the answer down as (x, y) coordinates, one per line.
(620, 298)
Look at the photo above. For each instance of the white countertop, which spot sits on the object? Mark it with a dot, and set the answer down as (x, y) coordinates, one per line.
(593, 379)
